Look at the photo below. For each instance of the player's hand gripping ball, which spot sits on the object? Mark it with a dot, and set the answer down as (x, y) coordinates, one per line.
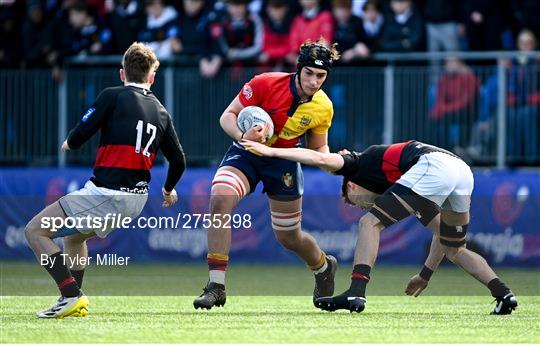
(252, 116)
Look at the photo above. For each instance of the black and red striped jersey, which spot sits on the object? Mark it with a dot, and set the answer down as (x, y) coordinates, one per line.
(379, 166)
(134, 125)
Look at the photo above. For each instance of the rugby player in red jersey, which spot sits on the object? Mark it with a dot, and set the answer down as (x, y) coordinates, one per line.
(394, 182)
(298, 106)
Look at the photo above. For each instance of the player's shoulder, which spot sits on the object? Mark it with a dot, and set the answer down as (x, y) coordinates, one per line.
(320, 97)
(113, 90)
(272, 77)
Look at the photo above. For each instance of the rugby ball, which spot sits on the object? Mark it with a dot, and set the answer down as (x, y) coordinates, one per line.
(251, 116)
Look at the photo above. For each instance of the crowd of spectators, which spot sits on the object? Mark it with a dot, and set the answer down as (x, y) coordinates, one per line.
(42, 33)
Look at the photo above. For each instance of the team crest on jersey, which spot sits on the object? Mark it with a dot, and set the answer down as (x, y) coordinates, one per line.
(305, 121)
(287, 179)
(247, 91)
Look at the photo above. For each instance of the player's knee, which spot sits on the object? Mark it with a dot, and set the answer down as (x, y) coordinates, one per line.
(451, 252)
(452, 237)
(74, 240)
(222, 203)
(399, 202)
(31, 230)
(370, 221)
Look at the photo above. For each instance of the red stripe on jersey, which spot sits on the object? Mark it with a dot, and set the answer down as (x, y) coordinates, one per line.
(123, 156)
(284, 143)
(390, 164)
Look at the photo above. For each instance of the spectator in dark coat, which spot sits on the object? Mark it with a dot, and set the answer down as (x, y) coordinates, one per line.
(444, 21)
(125, 20)
(34, 37)
(238, 33)
(349, 33)
(403, 31)
(192, 22)
(83, 35)
(372, 21)
(527, 13)
(161, 28)
(485, 22)
(10, 37)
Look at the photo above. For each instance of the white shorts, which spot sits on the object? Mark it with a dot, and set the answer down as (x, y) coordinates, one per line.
(97, 203)
(443, 179)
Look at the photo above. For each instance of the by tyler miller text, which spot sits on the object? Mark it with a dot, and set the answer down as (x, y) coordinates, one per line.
(78, 261)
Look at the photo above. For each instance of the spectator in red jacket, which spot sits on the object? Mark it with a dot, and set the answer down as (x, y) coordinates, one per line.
(454, 109)
(313, 23)
(277, 24)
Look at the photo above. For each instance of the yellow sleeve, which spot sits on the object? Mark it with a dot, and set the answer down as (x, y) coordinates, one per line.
(325, 124)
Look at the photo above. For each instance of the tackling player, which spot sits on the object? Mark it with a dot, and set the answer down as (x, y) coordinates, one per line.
(298, 106)
(133, 125)
(394, 182)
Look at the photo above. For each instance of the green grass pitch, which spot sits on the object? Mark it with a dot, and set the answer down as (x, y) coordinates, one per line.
(266, 304)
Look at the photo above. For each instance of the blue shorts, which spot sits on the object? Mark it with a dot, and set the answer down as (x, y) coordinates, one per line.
(280, 177)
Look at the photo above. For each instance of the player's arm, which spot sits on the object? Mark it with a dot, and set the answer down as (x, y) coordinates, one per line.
(91, 122)
(327, 161)
(420, 281)
(318, 142)
(173, 152)
(228, 119)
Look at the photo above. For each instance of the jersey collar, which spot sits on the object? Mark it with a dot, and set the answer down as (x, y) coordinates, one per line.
(297, 101)
(144, 87)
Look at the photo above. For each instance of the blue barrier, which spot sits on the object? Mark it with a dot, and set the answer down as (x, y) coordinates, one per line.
(503, 220)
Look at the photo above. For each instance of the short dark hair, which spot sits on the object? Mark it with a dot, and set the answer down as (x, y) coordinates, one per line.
(238, 2)
(278, 3)
(345, 191)
(342, 4)
(371, 3)
(138, 61)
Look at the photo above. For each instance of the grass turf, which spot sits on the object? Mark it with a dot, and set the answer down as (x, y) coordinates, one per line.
(389, 316)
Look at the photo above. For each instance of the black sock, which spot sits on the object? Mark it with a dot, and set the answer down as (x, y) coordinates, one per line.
(61, 275)
(497, 288)
(78, 275)
(359, 280)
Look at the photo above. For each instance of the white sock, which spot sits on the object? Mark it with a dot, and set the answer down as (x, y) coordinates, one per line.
(217, 276)
(322, 269)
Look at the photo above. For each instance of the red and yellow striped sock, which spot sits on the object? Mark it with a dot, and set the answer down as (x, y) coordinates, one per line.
(217, 266)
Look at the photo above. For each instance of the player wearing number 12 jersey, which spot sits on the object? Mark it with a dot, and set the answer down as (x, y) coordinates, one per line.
(134, 126)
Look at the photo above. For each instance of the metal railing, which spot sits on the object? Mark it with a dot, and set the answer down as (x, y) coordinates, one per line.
(372, 105)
